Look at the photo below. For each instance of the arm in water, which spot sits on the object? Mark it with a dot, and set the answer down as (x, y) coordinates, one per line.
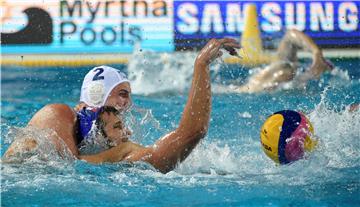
(178, 144)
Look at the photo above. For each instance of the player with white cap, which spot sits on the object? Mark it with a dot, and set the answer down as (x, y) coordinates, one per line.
(99, 83)
(106, 92)
(102, 86)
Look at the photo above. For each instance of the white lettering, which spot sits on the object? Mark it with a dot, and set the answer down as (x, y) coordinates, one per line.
(348, 21)
(187, 13)
(234, 18)
(270, 12)
(319, 17)
(212, 16)
(300, 22)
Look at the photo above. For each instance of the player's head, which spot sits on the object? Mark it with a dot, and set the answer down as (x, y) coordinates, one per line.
(111, 125)
(106, 86)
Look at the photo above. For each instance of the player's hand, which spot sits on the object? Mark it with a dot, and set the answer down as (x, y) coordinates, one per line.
(211, 50)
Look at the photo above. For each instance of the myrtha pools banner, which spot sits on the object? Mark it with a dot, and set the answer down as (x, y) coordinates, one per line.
(119, 26)
(79, 26)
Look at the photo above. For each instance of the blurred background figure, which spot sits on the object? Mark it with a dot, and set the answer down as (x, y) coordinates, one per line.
(284, 67)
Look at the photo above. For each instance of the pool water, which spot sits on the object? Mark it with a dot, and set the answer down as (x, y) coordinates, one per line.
(228, 168)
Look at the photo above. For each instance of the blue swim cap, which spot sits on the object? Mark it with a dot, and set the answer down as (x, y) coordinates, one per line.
(86, 118)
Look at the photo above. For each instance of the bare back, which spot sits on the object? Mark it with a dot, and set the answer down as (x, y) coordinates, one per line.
(60, 119)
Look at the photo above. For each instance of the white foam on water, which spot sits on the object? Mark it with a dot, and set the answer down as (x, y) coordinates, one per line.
(44, 149)
(242, 161)
(151, 72)
(142, 124)
(339, 133)
(156, 73)
(339, 148)
(338, 78)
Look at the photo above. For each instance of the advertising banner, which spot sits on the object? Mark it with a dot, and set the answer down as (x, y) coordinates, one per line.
(329, 23)
(119, 26)
(86, 26)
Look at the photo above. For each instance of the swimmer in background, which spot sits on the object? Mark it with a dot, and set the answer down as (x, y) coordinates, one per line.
(105, 95)
(284, 68)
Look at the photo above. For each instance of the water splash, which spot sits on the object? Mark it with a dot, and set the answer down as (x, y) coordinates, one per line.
(143, 124)
(151, 72)
(48, 146)
(338, 150)
(339, 132)
(159, 73)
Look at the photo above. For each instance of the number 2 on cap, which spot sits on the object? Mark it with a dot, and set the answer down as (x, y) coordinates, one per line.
(97, 75)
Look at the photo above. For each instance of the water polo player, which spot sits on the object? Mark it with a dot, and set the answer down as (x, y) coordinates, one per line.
(286, 136)
(284, 68)
(98, 91)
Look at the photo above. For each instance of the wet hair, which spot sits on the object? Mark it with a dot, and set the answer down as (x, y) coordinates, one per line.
(109, 110)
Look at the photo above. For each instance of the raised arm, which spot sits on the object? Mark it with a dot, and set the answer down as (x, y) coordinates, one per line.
(177, 145)
(295, 40)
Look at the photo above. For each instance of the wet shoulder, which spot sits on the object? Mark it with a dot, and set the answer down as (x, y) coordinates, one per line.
(54, 113)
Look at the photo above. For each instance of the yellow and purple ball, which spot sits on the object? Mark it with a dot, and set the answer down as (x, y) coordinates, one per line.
(286, 136)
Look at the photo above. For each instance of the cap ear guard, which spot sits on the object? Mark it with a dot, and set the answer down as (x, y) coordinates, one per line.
(87, 118)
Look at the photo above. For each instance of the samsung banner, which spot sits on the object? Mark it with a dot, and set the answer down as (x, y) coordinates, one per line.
(330, 23)
(79, 26)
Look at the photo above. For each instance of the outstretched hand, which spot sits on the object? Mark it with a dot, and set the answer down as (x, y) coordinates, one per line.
(211, 50)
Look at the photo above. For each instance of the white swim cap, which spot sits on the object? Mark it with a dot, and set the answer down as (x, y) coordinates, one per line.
(98, 84)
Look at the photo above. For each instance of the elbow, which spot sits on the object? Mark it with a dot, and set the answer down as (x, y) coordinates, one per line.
(201, 132)
(194, 130)
(202, 129)
(198, 133)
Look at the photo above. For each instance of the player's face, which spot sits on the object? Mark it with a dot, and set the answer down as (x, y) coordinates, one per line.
(114, 128)
(120, 97)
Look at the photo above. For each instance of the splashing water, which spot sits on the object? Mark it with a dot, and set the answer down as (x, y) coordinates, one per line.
(151, 72)
(155, 73)
(338, 151)
(339, 132)
(44, 142)
(143, 124)
(161, 73)
(227, 168)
